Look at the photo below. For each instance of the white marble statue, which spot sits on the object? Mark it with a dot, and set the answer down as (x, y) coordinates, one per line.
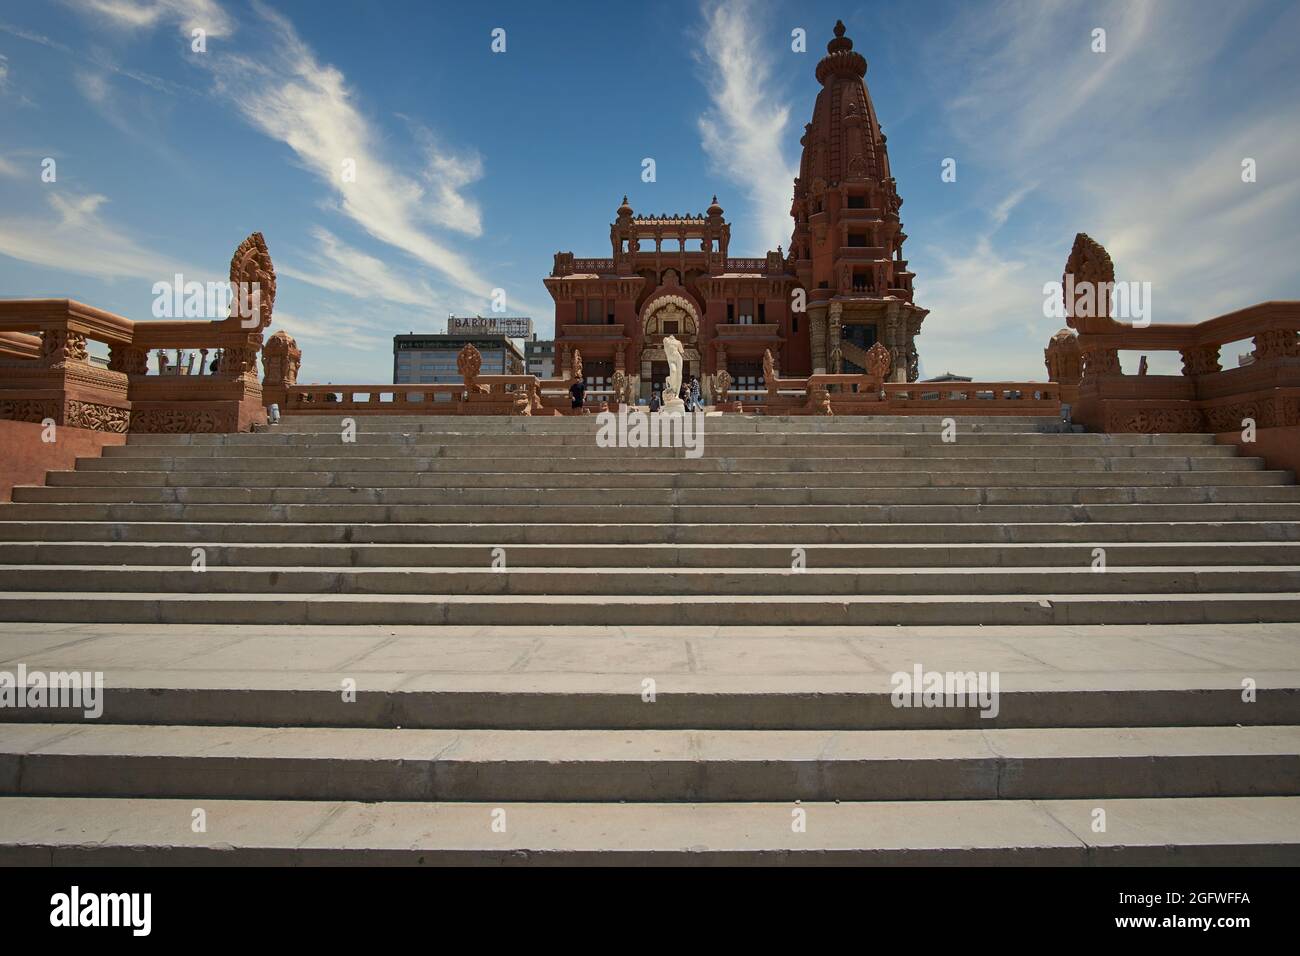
(673, 386)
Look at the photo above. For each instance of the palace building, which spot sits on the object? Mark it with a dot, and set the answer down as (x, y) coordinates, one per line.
(672, 274)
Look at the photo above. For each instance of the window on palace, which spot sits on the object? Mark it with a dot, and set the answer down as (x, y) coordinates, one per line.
(748, 377)
(731, 312)
(670, 328)
(857, 202)
(746, 312)
(857, 239)
(610, 319)
(762, 312)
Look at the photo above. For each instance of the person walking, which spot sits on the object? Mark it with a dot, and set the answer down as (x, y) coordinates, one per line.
(576, 391)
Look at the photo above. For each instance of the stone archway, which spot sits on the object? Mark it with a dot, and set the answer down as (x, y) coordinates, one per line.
(668, 314)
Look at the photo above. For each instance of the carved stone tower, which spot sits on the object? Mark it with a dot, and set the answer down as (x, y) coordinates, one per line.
(847, 246)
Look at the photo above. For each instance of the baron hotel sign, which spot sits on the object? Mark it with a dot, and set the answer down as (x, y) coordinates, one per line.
(515, 328)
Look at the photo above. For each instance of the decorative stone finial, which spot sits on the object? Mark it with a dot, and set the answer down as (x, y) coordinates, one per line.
(841, 43)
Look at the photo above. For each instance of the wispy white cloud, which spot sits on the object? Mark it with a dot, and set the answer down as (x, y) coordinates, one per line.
(93, 86)
(78, 239)
(745, 130)
(322, 328)
(309, 106)
(339, 267)
(188, 15)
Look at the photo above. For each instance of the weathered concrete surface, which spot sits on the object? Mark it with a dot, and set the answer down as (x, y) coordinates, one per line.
(1205, 831)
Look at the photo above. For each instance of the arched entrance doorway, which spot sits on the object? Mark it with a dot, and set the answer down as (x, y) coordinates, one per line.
(668, 315)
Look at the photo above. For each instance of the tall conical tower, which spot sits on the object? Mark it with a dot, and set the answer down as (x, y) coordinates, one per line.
(847, 246)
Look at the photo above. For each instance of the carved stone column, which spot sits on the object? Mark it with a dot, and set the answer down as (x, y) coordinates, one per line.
(1100, 361)
(817, 334)
(835, 328)
(1200, 360)
(1276, 343)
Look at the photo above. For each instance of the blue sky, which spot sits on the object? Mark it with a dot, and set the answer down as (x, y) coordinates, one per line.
(474, 167)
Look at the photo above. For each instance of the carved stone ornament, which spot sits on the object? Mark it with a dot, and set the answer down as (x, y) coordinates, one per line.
(878, 362)
(251, 269)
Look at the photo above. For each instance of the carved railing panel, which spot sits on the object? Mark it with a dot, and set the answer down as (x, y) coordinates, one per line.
(67, 385)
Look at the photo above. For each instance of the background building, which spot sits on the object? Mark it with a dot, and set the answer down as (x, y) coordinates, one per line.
(431, 359)
(540, 354)
(514, 326)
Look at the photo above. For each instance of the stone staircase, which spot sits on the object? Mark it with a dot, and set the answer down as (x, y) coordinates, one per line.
(562, 653)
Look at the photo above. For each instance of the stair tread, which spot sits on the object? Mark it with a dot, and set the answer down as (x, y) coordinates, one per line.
(1205, 830)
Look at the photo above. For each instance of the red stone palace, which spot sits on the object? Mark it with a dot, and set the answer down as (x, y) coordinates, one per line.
(671, 274)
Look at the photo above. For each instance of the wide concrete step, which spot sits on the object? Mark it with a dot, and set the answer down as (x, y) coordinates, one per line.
(731, 515)
(297, 763)
(712, 436)
(581, 452)
(1205, 831)
(667, 610)
(718, 583)
(758, 424)
(603, 556)
(24, 529)
(290, 697)
(364, 460)
(303, 478)
(585, 494)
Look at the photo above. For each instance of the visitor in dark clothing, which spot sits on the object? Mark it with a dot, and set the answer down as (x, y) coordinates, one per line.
(576, 391)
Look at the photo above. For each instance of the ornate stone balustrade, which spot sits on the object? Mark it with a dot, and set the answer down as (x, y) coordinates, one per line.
(1206, 396)
(63, 384)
